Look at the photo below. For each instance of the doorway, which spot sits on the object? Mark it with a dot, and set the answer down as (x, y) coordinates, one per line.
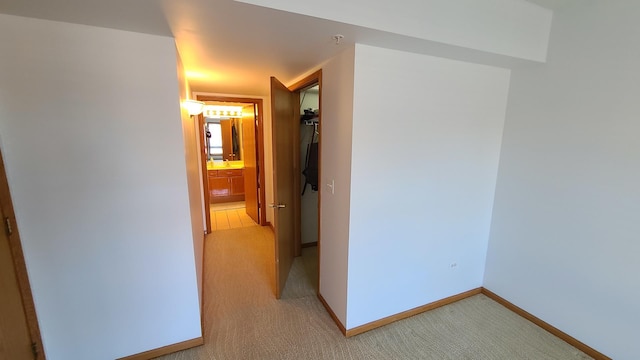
(232, 161)
(308, 144)
(285, 121)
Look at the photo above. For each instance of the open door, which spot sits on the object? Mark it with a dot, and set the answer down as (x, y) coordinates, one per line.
(282, 118)
(16, 341)
(19, 331)
(250, 157)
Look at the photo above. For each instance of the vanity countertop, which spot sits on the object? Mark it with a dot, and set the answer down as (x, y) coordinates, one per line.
(226, 165)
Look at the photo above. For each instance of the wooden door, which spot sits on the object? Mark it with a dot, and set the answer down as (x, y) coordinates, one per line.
(15, 342)
(19, 334)
(250, 152)
(282, 118)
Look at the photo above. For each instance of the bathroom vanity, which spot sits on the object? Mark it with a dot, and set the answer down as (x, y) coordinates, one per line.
(226, 185)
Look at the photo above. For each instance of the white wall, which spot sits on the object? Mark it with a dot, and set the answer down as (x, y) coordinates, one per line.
(310, 101)
(508, 27)
(191, 140)
(337, 106)
(91, 136)
(564, 239)
(426, 142)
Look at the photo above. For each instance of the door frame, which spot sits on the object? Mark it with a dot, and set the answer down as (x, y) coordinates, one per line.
(203, 166)
(303, 84)
(19, 264)
(259, 144)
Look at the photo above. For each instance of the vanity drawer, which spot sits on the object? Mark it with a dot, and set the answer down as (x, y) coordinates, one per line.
(230, 172)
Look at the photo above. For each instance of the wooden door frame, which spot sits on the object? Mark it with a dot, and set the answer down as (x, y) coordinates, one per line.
(203, 165)
(19, 263)
(308, 81)
(259, 143)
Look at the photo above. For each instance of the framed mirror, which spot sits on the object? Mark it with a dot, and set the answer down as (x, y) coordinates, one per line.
(224, 139)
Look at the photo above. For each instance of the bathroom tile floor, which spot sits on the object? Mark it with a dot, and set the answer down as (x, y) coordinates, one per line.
(229, 216)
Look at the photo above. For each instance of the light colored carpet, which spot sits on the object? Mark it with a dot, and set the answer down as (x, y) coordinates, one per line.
(243, 320)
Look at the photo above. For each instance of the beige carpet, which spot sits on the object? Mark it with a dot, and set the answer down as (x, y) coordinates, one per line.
(244, 321)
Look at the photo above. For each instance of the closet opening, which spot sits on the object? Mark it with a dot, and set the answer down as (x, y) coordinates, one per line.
(307, 156)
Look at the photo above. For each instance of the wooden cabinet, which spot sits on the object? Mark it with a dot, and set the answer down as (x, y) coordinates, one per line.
(226, 185)
(218, 186)
(237, 185)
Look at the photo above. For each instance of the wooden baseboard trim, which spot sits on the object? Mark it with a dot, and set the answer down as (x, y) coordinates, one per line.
(333, 315)
(415, 311)
(310, 244)
(269, 224)
(165, 350)
(546, 326)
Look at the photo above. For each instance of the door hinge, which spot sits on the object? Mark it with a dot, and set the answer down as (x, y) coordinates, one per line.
(34, 350)
(7, 225)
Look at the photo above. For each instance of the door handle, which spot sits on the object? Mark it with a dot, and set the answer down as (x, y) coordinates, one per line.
(279, 206)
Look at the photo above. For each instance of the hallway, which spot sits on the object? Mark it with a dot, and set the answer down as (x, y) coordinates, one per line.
(242, 318)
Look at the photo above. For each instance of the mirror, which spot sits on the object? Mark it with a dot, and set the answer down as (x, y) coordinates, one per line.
(225, 140)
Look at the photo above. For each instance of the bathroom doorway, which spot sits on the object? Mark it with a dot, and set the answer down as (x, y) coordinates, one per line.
(232, 161)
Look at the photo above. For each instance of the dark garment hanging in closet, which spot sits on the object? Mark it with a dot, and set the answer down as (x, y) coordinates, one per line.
(311, 169)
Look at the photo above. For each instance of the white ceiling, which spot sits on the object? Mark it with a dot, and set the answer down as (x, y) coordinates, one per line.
(226, 46)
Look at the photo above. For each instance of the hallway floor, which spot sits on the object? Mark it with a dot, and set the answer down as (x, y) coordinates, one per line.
(243, 320)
